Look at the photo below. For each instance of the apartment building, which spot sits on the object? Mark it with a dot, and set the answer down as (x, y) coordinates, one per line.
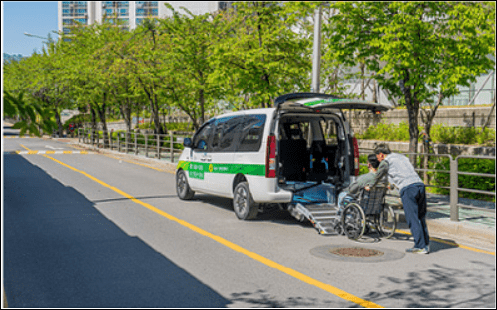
(131, 13)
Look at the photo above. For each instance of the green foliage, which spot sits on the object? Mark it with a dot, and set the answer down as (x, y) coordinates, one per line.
(465, 181)
(418, 51)
(258, 55)
(33, 116)
(179, 126)
(387, 132)
(363, 159)
(439, 134)
(463, 135)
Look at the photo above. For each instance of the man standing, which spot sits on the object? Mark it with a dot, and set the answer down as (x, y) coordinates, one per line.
(412, 192)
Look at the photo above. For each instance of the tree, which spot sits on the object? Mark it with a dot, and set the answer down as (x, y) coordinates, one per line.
(261, 54)
(190, 39)
(419, 51)
(32, 116)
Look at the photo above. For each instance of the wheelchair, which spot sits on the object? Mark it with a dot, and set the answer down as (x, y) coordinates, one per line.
(368, 212)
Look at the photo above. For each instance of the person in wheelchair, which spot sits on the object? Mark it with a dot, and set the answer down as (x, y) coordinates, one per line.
(351, 193)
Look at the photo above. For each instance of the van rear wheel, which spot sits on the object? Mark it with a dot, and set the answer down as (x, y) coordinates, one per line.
(244, 205)
(182, 187)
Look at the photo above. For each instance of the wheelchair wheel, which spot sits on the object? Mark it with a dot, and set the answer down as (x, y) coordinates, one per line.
(388, 223)
(353, 221)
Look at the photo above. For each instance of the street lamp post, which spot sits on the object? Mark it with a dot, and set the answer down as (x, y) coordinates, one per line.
(35, 36)
(316, 54)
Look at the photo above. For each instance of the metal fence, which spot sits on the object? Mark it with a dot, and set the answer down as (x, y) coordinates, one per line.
(164, 147)
(169, 147)
(454, 187)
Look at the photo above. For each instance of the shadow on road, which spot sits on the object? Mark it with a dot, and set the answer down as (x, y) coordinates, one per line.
(60, 251)
(440, 286)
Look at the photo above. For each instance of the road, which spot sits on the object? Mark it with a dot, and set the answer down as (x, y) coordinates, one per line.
(90, 230)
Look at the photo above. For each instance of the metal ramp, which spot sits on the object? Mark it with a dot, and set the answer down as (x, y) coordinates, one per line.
(323, 216)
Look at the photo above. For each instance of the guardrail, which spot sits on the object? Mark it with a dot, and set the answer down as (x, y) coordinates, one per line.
(151, 145)
(163, 147)
(454, 181)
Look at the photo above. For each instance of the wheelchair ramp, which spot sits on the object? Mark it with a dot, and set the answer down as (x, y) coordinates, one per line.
(323, 216)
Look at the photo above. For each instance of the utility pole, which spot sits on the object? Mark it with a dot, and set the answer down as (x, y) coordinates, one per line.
(316, 53)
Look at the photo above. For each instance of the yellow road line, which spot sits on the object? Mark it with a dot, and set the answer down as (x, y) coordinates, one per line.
(450, 243)
(302, 277)
(24, 147)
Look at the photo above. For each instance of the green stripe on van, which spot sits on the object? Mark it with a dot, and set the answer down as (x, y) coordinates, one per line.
(330, 100)
(201, 168)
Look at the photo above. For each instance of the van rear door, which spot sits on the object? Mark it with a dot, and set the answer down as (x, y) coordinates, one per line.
(330, 103)
(318, 101)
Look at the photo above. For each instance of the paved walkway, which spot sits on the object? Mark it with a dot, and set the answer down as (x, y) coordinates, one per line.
(475, 227)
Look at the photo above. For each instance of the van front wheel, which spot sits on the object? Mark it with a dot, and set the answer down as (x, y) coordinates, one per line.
(244, 205)
(182, 188)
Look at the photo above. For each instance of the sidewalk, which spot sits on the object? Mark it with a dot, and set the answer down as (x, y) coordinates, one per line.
(476, 228)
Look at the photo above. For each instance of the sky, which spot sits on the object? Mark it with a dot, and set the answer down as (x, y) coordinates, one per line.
(18, 17)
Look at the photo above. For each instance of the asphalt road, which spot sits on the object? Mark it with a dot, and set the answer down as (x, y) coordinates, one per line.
(94, 231)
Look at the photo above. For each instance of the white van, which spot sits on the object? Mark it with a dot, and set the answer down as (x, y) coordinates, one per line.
(263, 156)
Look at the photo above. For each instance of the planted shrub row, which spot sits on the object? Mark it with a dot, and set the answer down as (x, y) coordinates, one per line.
(440, 133)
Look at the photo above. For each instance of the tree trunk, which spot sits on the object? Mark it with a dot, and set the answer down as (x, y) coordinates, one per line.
(412, 105)
(158, 128)
(201, 101)
(59, 123)
(93, 124)
(426, 149)
(101, 113)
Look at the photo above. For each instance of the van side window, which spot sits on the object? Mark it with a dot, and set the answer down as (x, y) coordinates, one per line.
(201, 139)
(251, 138)
(225, 133)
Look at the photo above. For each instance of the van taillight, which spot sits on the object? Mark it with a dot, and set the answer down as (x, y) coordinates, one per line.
(270, 157)
(356, 156)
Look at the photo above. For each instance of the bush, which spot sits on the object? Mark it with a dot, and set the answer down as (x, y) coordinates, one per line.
(388, 132)
(440, 133)
(474, 165)
(179, 126)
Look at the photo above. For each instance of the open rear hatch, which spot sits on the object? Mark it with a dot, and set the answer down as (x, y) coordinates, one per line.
(324, 101)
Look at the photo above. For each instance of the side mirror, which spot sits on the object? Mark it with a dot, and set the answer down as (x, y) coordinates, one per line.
(187, 142)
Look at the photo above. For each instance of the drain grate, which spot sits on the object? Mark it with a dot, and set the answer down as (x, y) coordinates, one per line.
(356, 252)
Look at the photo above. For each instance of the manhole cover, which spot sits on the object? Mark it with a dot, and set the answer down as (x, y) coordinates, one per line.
(356, 252)
(349, 254)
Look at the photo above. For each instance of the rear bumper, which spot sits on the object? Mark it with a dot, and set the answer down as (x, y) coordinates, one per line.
(265, 190)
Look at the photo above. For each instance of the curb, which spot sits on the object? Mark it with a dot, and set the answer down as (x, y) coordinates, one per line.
(461, 232)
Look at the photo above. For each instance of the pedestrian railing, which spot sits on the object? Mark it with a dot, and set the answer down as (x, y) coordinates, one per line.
(169, 147)
(166, 147)
(454, 187)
